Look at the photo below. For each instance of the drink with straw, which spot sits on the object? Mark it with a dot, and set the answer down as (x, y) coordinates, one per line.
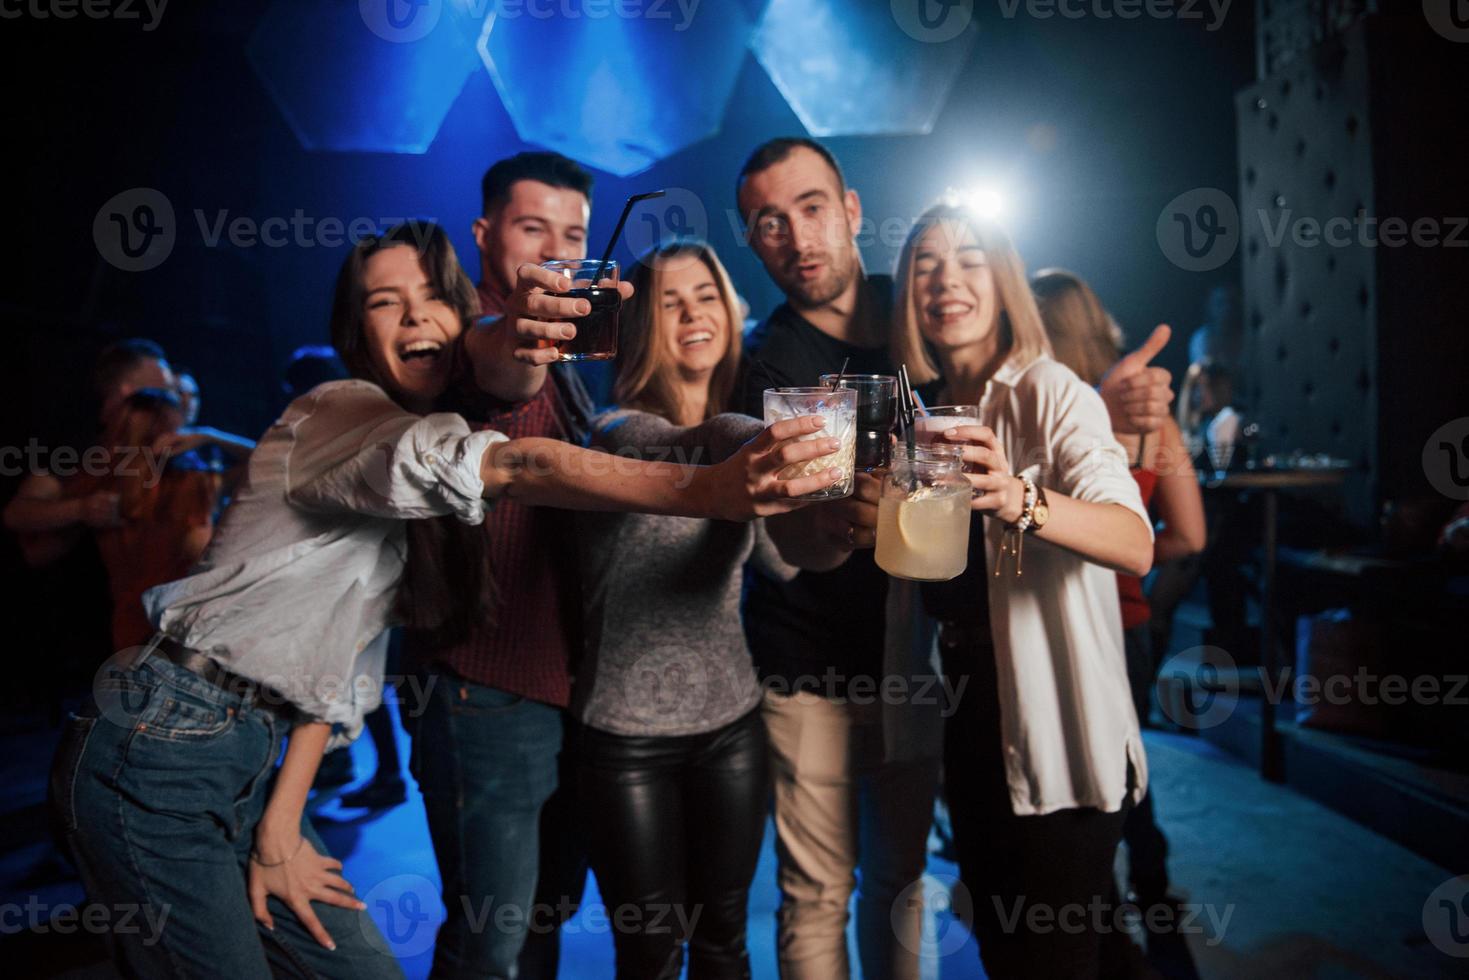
(923, 515)
(839, 407)
(596, 282)
(596, 333)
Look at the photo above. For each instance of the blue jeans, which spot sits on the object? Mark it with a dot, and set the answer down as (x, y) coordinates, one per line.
(157, 794)
(512, 866)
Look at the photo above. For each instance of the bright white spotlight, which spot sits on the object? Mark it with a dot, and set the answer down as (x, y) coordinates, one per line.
(986, 201)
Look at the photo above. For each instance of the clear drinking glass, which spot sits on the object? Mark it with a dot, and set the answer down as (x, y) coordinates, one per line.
(923, 515)
(940, 419)
(596, 333)
(839, 408)
(877, 408)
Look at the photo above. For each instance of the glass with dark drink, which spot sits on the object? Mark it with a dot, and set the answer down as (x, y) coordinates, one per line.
(596, 333)
(876, 411)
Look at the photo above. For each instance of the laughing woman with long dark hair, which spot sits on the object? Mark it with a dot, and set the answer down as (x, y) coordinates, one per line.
(167, 789)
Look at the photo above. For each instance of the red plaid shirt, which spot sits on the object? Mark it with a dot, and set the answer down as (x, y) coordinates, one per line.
(529, 649)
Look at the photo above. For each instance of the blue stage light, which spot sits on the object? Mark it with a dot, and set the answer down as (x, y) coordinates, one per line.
(370, 76)
(857, 67)
(621, 89)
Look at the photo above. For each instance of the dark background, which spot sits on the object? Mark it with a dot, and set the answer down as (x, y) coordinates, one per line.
(1134, 113)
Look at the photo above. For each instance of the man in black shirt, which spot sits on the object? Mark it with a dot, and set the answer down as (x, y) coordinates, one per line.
(814, 637)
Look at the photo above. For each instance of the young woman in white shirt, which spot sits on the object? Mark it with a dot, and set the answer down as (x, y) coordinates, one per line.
(167, 790)
(1043, 754)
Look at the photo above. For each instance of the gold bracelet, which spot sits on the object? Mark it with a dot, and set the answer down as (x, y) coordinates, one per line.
(255, 856)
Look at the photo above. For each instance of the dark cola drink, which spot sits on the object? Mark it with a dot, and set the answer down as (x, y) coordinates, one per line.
(877, 409)
(596, 333)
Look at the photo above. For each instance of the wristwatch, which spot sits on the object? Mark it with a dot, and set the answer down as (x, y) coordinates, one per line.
(1041, 512)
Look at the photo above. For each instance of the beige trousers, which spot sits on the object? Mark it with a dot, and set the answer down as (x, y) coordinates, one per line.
(840, 806)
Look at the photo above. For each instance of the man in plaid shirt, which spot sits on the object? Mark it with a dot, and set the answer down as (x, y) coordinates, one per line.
(488, 748)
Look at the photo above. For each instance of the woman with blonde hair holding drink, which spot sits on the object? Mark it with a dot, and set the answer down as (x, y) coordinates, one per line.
(672, 747)
(1043, 755)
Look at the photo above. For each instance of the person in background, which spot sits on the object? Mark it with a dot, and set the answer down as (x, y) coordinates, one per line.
(187, 387)
(1087, 340)
(1043, 755)
(489, 750)
(204, 448)
(166, 505)
(671, 746)
(1206, 414)
(308, 366)
(1221, 338)
(1211, 429)
(47, 521)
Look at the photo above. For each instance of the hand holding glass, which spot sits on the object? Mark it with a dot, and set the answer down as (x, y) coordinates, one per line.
(596, 332)
(923, 515)
(839, 409)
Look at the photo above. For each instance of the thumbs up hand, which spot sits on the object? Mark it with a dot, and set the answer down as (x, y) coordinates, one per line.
(1137, 396)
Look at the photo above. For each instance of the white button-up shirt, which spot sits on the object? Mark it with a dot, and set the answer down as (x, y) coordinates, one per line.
(296, 588)
(1066, 713)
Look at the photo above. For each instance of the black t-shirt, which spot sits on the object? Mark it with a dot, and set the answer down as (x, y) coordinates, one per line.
(820, 625)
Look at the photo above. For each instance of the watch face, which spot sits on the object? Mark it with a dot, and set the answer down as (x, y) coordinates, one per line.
(1041, 515)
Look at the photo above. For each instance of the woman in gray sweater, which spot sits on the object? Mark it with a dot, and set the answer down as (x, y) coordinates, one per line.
(672, 752)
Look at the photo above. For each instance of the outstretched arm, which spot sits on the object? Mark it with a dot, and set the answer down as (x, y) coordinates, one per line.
(551, 473)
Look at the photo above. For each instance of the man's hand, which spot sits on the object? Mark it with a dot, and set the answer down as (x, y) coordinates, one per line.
(851, 523)
(539, 320)
(510, 353)
(1137, 396)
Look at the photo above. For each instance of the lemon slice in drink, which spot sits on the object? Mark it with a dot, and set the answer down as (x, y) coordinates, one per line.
(921, 523)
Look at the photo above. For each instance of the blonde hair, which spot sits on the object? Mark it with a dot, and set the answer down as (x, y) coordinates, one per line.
(1021, 332)
(644, 375)
(1083, 336)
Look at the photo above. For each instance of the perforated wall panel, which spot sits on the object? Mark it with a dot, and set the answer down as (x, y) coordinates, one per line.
(1310, 306)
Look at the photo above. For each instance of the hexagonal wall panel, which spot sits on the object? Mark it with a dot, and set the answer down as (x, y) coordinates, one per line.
(614, 91)
(855, 67)
(364, 75)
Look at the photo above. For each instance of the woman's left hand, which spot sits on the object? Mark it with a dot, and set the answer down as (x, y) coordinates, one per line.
(996, 490)
(298, 875)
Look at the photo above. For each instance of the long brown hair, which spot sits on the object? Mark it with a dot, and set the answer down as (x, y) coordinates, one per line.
(446, 586)
(644, 376)
(1082, 334)
(1021, 332)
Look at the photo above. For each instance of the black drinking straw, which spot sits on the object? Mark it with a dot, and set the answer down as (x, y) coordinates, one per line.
(905, 406)
(842, 373)
(617, 232)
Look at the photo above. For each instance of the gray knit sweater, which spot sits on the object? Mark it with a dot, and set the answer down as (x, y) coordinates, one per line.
(665, 650)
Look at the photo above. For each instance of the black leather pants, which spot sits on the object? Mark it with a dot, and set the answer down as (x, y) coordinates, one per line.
(674, 826)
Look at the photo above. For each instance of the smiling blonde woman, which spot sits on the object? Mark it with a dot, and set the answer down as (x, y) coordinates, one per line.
(1044, 755)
